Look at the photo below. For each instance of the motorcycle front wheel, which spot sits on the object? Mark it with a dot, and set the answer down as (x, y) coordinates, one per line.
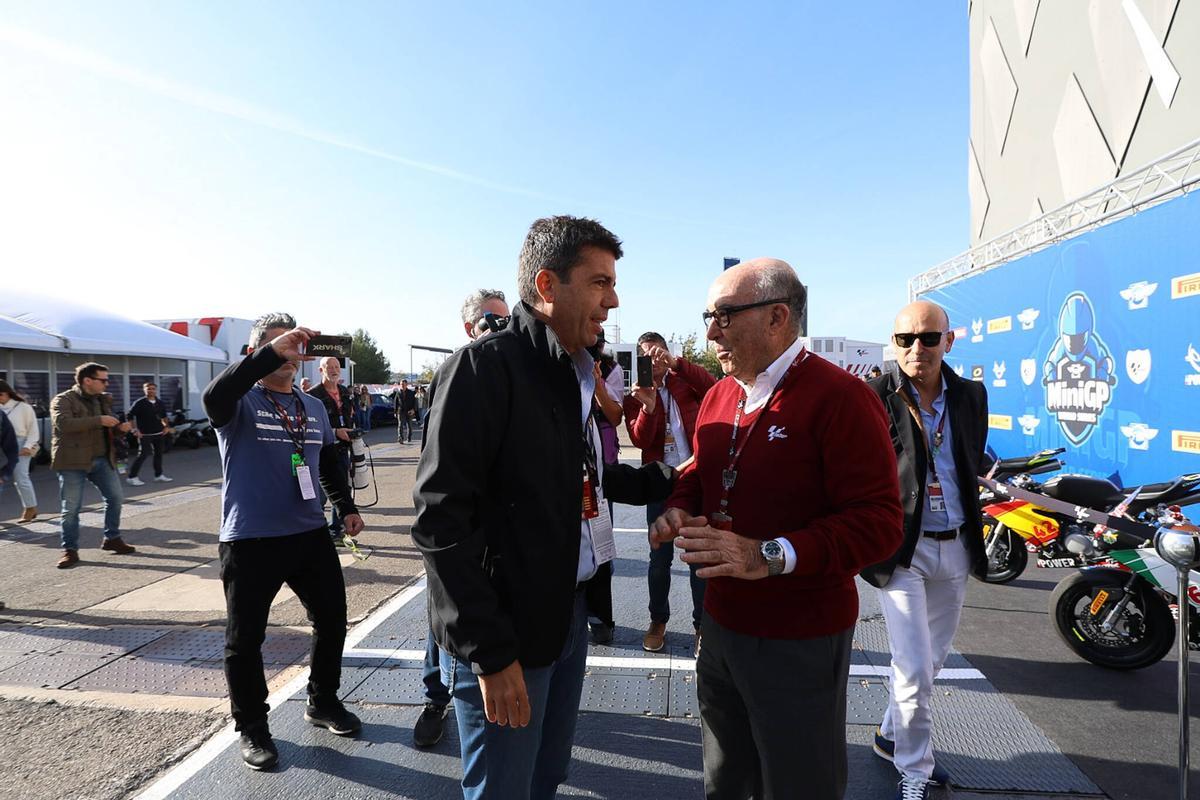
(1142, 633)
(1008, 557)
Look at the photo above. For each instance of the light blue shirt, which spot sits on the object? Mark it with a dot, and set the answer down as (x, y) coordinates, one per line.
(943, 460)
(584, 371)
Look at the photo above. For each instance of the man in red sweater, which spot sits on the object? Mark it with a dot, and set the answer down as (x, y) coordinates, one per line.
(793, 490)
(662, 421)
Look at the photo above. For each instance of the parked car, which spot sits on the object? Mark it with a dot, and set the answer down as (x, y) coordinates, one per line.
(382, 411)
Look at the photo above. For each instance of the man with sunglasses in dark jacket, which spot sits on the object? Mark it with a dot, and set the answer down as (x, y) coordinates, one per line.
(939, 431)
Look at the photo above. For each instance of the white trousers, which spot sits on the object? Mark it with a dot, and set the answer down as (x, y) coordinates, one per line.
(921, 605)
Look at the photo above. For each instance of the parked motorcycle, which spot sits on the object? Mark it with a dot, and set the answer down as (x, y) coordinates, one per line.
(187, 432)
(1058, 539)
(1005, 548)
(1119, 611)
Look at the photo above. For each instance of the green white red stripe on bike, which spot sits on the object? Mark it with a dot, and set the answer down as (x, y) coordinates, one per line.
(1147, 563)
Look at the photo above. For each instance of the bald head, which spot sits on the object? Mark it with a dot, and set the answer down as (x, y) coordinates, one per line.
(767, 302)
(922, 361)
(924, 312)
(331, 370)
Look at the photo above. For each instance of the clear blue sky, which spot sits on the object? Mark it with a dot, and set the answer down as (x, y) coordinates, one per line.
(368, 164)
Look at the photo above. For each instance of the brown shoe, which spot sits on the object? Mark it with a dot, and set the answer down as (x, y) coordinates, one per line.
(69, 559)
(118, 546)
(28, 515)
(655, 638)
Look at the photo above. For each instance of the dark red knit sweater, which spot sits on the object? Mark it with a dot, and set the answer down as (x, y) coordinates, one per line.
(828, 485)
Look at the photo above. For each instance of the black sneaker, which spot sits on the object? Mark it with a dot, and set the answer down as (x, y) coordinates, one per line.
(333, 717)
(602, 633)
(430, 725)
(258, 748)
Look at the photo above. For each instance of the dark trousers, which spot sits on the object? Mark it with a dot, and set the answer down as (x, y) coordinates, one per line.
(598, 590)
(773, 715)
(253, 571)
(658, 576)
(435, 691)
(404, 426)
(156, 444)
(335, 519)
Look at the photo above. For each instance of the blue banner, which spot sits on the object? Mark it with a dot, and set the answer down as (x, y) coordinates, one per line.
(1092, 345)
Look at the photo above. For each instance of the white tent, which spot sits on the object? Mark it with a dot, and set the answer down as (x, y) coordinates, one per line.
(38, 322)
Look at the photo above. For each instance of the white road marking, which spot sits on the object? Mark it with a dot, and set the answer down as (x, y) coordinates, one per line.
(184, 770)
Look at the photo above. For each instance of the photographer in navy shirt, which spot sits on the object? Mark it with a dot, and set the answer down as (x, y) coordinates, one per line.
(275, 441)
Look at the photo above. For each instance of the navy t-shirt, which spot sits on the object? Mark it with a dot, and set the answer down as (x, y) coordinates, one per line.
(260, 497)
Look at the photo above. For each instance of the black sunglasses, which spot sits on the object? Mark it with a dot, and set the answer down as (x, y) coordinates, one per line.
(722, 314)
(927, 338)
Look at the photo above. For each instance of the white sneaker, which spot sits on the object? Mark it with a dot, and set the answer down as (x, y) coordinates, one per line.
(135, 481)
(162, 479)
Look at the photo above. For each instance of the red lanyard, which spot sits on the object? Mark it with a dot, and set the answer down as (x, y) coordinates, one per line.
(729, 474)
(301, 420)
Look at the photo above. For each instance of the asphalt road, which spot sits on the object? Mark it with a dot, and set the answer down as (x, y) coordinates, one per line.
(1120, 728)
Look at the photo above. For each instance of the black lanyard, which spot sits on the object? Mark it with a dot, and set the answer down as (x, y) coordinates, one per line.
(301, 426)
(729, 474)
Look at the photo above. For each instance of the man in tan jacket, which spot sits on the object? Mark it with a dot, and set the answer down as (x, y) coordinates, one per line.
(83, 426)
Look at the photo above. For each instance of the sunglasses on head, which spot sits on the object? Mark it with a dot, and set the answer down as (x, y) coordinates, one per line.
(927, 338)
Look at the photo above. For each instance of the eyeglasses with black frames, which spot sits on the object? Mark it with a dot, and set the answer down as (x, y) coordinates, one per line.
(722, 314)
(927, 338)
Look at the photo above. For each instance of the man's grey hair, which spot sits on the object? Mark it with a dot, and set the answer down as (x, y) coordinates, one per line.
(472, 307)
(780, 281)
(268, 322)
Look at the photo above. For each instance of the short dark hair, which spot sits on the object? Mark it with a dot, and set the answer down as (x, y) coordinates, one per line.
(270, 322)
(88, 370)
(555, 244)
(149, 383)
(651, 336)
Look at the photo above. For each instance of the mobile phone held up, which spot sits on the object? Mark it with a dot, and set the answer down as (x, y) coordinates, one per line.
(321, 346)
(645, 372)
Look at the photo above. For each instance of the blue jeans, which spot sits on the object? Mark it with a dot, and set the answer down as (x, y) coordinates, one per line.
(521, 763)
(658, 576)
(435, 691)
(364, 419)
(70, 482)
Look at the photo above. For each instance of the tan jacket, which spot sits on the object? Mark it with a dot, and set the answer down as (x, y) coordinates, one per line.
(78, 437)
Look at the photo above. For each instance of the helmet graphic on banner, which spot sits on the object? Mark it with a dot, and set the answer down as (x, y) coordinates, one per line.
(1078, 371)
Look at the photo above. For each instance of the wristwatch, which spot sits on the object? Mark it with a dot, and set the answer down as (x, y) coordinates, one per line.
(772, 551)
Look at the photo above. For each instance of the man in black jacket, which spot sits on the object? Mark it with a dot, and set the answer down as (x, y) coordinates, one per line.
(939, 432)
(340, 408)
(405, 403)
(510, 517)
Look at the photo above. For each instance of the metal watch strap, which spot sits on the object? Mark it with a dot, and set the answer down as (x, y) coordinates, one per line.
(774, 565)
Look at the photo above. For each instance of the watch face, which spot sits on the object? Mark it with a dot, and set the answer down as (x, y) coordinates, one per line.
(772, 550)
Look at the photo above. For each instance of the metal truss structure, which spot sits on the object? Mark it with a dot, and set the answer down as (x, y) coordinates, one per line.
(1172, 175)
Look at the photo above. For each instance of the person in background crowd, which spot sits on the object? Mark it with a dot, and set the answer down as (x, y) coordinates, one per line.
(9, 452)
(661, 420)
(336, 400)
(511, 518)
(430, 726)
(82, 448)
(364, 407)
(793, 490)
(406, 412)
(477, 305)
(25, 424)
(607, 414)
(151, 426)
(874, 372)
(940, 421)
(273, 529)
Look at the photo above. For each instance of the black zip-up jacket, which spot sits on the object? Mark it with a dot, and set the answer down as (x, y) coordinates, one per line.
(338, 417)
(220, 403)
(968, 407)
(499, 494)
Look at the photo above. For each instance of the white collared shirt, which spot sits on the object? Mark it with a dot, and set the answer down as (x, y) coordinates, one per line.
(757, 397)
(758, 394)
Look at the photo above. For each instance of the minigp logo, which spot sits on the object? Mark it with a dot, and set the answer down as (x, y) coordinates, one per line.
(1078, 371)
